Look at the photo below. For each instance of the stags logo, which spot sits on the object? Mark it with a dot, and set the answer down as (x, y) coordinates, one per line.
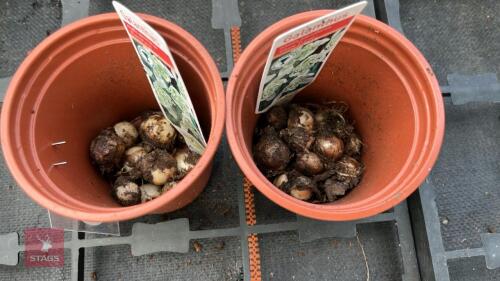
(44, 247)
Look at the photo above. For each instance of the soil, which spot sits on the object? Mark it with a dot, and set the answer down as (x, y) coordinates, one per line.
(197, 246)
(220, 246)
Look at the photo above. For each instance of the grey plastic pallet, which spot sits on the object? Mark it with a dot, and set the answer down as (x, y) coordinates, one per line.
(456, 211)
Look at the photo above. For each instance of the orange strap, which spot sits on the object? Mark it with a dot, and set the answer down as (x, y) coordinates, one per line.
(236, 42)
(253, 240)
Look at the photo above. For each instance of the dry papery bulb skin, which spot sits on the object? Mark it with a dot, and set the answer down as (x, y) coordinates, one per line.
(141, 158)
(329, 146)
(309, 163)
(302, 188)
(271, 152)
(334, 189)
(310, 151)
(297, 138)
(353, 145)
(301, 117)
(281, 180)
(107, 150)
(277, 117)
(349, 171)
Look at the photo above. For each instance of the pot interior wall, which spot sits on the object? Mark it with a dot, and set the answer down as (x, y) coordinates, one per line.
(379, 105)
(97, 89)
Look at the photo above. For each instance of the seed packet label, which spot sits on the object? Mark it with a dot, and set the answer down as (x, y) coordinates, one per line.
(298, 55)
(164, 77)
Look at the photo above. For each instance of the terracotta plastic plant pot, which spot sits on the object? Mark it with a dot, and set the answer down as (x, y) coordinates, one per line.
(394, 99)
(79, 80)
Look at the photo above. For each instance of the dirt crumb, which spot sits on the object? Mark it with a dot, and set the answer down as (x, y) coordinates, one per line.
(197, 247)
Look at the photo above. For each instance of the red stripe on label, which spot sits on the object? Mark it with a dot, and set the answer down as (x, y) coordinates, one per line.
(149, 44)
(311, 37)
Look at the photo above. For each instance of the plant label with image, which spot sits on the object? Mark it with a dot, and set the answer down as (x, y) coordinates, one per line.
(164, 77)
(298, 55)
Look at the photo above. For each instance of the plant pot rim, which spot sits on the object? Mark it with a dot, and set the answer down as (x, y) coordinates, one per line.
(363, 208)
(108, 214)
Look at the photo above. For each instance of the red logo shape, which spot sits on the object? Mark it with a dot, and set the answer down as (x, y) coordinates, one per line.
(44, 247)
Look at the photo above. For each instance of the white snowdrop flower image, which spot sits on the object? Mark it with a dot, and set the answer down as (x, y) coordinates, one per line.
(160, 70)
(287, 69)
(296, 82)
(168, 103)
(334, 39)
(270, 90)
(269, 78)
(323, 54)
(149, 72)
(304, 67)
(144, 53)
(280, 62)
(191, 123)
(308, 49)
(159, 83)
(159, 87)
(186, 122)
(178, 98)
